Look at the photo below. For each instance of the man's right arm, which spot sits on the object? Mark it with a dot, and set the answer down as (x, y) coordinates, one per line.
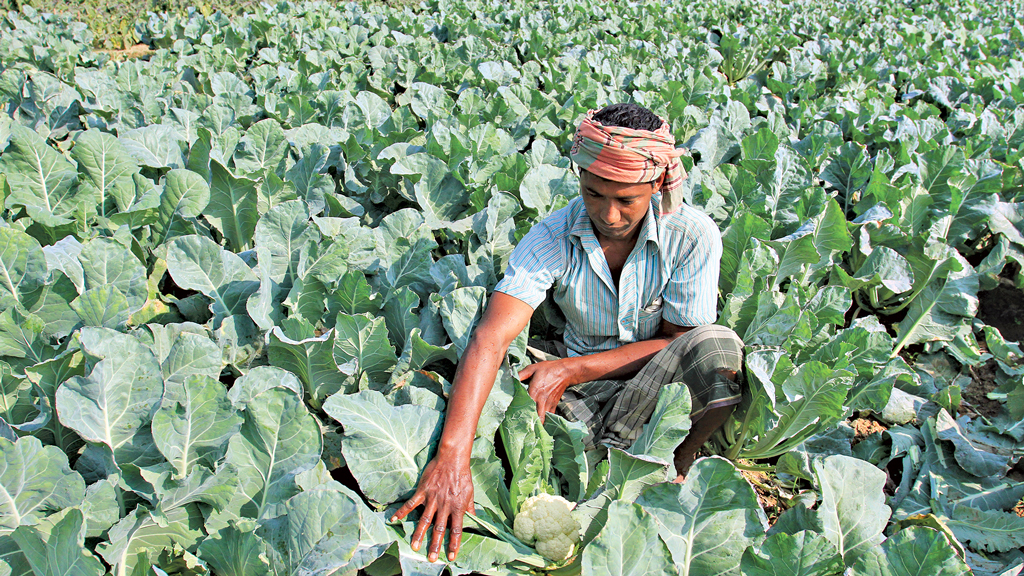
(445, 488)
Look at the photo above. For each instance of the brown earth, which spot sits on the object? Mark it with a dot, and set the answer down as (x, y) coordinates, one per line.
(137, 51)
(1003, 308)
(975, 396)
(767, 496)
(1019, 508)
(864, 427)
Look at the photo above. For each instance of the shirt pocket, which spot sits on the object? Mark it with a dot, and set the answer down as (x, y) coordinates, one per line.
(648, 320)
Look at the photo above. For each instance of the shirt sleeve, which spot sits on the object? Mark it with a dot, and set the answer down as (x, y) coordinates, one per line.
(691, 295)
(533, 267)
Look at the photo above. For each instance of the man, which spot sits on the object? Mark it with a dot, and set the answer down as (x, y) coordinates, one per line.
(635, 273)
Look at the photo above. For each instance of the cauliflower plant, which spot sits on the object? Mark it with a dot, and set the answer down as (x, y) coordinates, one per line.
(545, 523)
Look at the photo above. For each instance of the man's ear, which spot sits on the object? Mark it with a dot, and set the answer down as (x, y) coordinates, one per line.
(657, 182)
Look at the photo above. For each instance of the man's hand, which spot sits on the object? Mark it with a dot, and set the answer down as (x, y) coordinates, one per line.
(548, 381)
(446, 493)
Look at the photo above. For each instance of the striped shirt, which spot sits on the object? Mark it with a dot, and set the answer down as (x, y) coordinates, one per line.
(671, 274)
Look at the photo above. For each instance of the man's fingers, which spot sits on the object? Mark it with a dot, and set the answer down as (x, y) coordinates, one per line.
(526, 372)
(455, 537)
(437, 535)
(421, 528)
(409, 506)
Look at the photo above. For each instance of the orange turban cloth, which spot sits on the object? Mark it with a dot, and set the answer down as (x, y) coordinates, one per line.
(627, 155)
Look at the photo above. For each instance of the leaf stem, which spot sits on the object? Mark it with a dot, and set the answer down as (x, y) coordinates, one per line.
(753, 467)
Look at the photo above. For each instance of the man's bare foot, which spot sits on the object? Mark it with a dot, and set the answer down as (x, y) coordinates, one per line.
(679, 479)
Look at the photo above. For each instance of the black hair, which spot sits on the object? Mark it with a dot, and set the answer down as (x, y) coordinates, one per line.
(628, 115)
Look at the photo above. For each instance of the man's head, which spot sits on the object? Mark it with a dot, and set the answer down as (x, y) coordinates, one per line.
(628, 115)
(616, 209)
(626, 153)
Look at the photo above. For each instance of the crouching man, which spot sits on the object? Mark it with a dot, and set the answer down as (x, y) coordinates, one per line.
(635, 273)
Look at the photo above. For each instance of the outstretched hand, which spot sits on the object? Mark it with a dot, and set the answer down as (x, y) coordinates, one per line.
(548, 380)
(446, 492)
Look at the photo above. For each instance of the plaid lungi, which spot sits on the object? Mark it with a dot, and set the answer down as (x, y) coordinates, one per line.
(615, 411)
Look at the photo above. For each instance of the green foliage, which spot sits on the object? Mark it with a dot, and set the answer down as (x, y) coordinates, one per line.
(242, 268)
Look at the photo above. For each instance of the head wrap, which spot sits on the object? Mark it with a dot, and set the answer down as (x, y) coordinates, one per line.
(627, 155)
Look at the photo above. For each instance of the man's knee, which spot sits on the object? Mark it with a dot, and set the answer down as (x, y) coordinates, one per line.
(716, 347)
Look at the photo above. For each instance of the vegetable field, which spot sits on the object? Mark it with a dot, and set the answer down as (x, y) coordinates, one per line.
(236, 276)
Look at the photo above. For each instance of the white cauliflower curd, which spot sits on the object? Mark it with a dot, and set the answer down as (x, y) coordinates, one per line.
(545, 523)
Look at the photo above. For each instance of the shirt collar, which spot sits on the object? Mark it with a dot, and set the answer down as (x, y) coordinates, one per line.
(580, 224)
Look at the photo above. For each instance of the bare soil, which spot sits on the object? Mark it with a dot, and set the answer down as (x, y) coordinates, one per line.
(767, 497)
(975, 396)
(1019, 509)
(136, 51)
(864, 427)
(1003, 308)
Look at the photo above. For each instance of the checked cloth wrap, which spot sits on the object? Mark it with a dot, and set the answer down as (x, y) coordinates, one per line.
(615, 411)
(626, 155)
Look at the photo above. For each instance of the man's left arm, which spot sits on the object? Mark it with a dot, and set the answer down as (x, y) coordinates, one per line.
(548, 380)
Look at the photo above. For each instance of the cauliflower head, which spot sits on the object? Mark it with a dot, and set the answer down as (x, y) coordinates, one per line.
(545, 523)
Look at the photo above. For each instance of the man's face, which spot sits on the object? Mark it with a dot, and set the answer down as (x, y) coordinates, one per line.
(616, 209)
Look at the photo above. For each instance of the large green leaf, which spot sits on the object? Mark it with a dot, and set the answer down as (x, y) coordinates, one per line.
(262, 150)
(805, 553)
(812, 400)
(194, 422)
(235, 552)
(440, 195)
(364, 342)
(259, 380)
(629, 474)
(629, 544)
(941, 168)
(915, 551)
(106, 168)
(528, 447)
(22, 267)
(197, 263)
(284, 230)
(848, 172)
(34, 480)
(40, 179)
(191, 354)
(312, 360)
(735, 241)
(279, 439)
(185, 194)
(985, 530)
(385, 446)
(969, 455)
(460, 312)
(48, 375)
(543, 184)
(114, 400)
(320, 532)
(708, 520)
(156, 146)
(104, 307)
(232, 207)
(56, 546)
(668, 426)
(853, 513)
(568, 455)
(139, 535)
(942, 310)
(22, 340)
(107, 263)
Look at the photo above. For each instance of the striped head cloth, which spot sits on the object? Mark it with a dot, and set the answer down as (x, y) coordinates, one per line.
(628, 155)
